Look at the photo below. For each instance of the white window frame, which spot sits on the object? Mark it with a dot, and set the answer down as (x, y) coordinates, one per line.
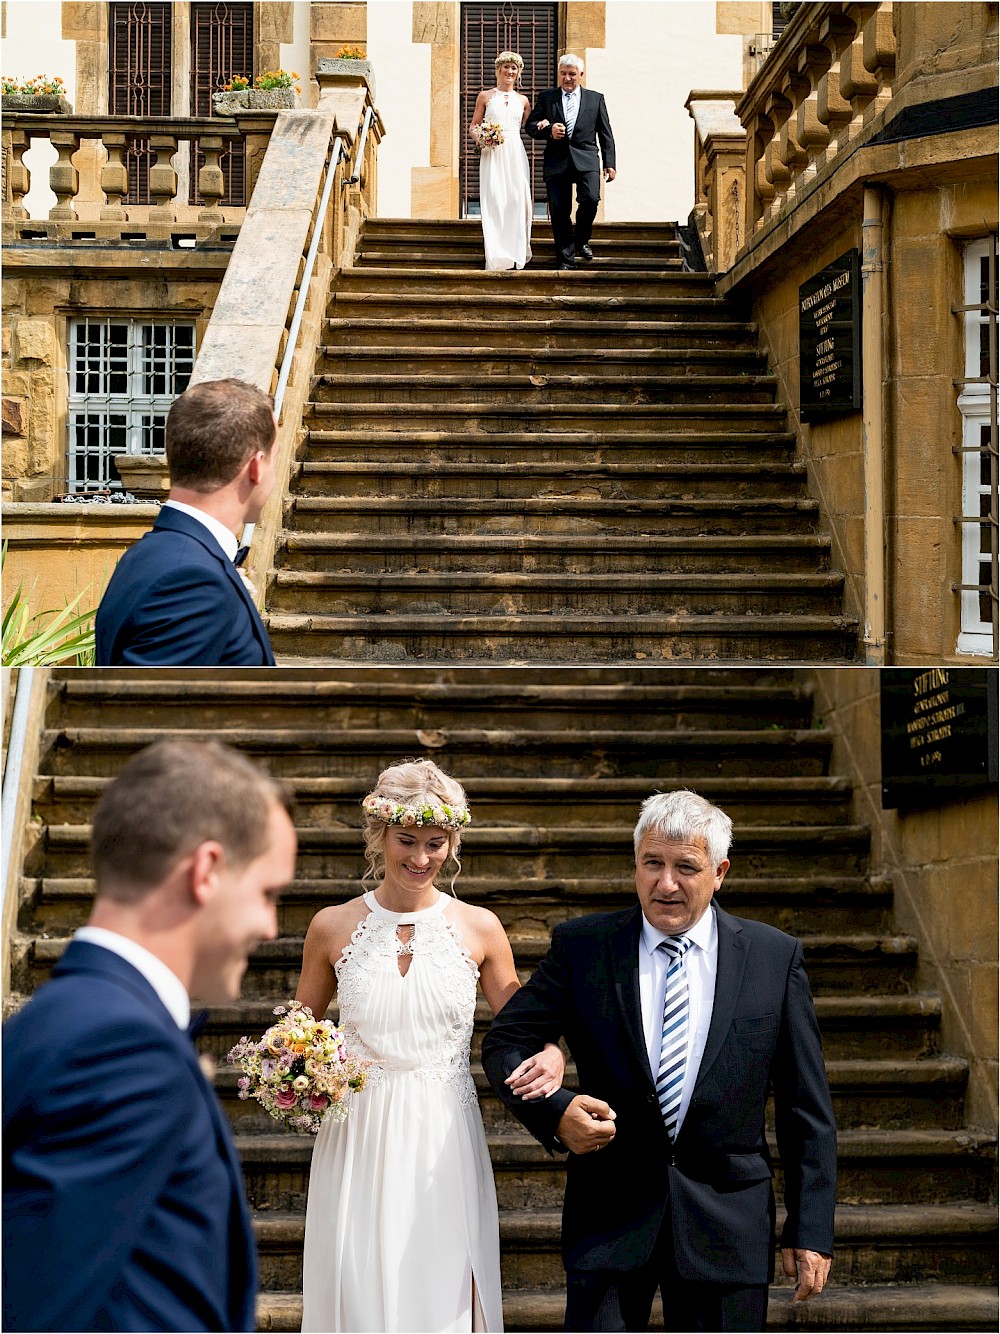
(976, 635)
(135, 410)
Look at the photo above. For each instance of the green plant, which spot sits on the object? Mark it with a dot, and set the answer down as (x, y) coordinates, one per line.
(237, 84)
(351, 53)
(49, 638)
(275, 78)
(38, 86)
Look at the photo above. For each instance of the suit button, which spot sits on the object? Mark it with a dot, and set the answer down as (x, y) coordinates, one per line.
(651, 1098)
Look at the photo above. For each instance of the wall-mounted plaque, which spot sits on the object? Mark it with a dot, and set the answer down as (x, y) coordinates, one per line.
(830, 339)
(939, 733)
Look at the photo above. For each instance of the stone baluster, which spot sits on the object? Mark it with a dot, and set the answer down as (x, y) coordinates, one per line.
(162, 178)
(879, 54)
(778, 107)
(114, 176)
(211, 181)
(813, 136)
(833, 111)
(18, 176)
(64, 179)
(857, 84)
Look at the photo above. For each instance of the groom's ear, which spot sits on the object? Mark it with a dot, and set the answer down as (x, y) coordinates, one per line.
(205, 868)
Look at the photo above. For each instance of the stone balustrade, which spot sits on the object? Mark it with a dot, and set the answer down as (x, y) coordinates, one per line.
(90, 175)
(830, 74)
(719, 178)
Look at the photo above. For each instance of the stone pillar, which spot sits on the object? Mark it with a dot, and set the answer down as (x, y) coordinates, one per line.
(434, 188)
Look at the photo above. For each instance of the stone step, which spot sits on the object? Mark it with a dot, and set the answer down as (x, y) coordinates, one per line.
(533, 416)
(54, 904)
(613, 448)
(568, 640)
(515, 479)
(499, 359)
(606, 283)
(839, 849)
(438, 230)
(461, 260)
(896, 1093)
(874, 1167)
(312, 593)
(385, 321)
(765, 552)
(890, 1308)
(593, 515)
(854, 1026)
(524, 389)
(898, 1243)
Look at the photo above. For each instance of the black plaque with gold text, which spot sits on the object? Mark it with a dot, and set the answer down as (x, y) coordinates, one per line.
(939, 733)
(830, 339)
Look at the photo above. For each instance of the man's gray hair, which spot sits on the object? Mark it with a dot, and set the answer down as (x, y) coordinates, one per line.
(571, 59)
(685, 816)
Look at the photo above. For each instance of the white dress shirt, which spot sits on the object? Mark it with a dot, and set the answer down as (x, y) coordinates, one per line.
(571, 108)
(163, 980)
(226, 540)
(701, 962)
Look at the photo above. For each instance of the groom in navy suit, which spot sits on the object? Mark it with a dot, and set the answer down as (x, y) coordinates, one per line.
(681, 1020)
(123, 1203)
(176, 598)
(571, 121)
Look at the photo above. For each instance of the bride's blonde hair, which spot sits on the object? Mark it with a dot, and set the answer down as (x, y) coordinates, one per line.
(412, 783)
(510, 58)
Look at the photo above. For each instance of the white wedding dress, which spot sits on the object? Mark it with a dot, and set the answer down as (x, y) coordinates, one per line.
(505, 188)
(401, 1222)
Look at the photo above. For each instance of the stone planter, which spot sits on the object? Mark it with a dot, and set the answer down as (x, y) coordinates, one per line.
(341, 69)
(144, 475)
(254, 99)
(36, 104)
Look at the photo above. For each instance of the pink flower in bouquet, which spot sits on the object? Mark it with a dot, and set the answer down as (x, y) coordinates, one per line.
(286, 1098)
(318, 1101)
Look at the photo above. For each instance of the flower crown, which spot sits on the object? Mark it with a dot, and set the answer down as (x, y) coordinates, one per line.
(395, 812)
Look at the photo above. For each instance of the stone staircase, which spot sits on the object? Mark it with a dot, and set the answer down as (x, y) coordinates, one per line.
(556, 765)
(525, 467)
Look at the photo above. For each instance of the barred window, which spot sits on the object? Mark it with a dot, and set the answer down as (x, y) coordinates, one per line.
(977, 404)
(124, 375)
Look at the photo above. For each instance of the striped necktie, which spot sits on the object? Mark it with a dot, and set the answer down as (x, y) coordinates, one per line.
(673, 1042)
(571, 112)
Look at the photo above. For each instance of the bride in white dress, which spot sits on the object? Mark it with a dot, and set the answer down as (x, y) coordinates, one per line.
(401, 1220)
(504, 177)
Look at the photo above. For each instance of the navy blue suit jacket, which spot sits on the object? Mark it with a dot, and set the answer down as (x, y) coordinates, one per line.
(123, 1203)
(716, 1179)
(174, 600)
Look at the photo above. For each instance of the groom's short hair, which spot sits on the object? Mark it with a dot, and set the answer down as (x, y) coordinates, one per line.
(685, 816)
(213, 429)
(168, 800)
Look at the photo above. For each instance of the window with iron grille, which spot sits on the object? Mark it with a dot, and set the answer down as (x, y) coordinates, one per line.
(531, 31)
(222, 45)
(139, 66)
(124, 375)
(977, 403)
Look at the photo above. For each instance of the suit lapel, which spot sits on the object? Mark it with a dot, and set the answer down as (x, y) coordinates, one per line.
(732, 962)
(623, 947)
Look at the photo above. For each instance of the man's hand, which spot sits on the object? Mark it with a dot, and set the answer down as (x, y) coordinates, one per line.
(587, 1124)
(609, 173)
(558, 130)
(808, 1267)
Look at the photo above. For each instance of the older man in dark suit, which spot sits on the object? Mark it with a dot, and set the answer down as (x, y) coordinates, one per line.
(681, 1019)
(123, 1203)
(571, 121)
(176, 598)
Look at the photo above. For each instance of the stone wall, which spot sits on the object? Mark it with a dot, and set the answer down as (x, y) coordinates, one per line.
(943, 865)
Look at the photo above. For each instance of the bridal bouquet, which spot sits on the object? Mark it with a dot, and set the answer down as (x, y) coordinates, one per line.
(299, 1071)
(490, 135)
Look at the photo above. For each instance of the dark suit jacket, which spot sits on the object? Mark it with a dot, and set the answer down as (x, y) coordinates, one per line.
(580, 149)
(123, 1204)
(716, 1178)
(174, 600)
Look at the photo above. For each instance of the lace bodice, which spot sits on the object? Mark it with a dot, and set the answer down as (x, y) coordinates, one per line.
(419, 1021)
(507, 113)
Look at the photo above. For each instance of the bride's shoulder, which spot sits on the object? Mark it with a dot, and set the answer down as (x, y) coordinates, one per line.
(337, 918)
(478, 921)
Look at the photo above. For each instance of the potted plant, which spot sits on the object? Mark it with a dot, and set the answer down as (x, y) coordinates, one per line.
(274, 90)
(40, 94)
(350, 61)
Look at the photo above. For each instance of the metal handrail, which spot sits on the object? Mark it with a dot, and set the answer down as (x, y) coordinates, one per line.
(359, 155)
(300, 303)
(12, 767)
